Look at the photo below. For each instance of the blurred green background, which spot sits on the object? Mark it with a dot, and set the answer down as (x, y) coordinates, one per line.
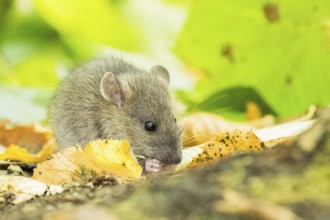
(221, 54)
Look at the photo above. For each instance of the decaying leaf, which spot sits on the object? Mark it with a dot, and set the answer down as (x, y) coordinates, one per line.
(25, 188)
(284, 130)
(29, 144)
(32, 137)
(16, 153)
(115, 157)
(98, 158)
(222, 145)
(64, 167)
(241, 141)
(201, 127)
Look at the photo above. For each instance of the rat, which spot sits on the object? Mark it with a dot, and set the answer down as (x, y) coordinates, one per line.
(109, 98)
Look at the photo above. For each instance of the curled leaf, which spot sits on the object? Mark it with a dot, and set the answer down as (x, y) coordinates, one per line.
(115, 157)
(225, 144)
(201, 127)
(26, 143)
(17, 153)
(98, 158)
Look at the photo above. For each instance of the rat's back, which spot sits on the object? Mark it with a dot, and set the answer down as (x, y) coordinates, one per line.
(77, 103)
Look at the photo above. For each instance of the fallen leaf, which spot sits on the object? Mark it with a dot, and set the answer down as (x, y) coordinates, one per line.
(29, 143)
(115, 157)
(266, 137)
(16, 153)
(65, 167)
(284, 130)
(32, 137)
(201, 127)
(26, 188)
(98, 158)
(224, 144)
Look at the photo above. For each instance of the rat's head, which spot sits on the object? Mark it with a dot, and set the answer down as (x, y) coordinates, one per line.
(145, 117)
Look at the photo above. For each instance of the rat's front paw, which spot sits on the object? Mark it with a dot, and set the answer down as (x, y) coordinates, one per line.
(153, 166)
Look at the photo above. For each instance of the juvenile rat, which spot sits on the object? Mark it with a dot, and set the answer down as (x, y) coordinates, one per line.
(108, 98)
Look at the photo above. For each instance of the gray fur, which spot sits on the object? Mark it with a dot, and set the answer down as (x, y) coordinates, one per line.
(79, 113)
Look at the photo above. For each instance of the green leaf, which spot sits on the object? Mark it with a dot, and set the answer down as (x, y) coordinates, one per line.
(229, 102)
(5, 6)
(35, 71)
(281, 49)
(85, 22)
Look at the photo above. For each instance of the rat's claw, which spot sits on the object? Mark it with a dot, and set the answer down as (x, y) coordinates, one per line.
(153, 166)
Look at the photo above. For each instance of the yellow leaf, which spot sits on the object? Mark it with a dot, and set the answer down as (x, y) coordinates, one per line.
(14, 152)
(23, 139)
(224, 144)
(201, 127)
(115, 157)
(98, 158)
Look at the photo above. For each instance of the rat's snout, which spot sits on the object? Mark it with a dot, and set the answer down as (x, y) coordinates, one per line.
(175, 159)
(169, 158)
(172, 157)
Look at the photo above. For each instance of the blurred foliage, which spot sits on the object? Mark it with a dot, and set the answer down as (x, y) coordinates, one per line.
(275, 53)
(278, 48)
(179, 1)
(41, 40)
(231, 102)
(38, 37)
(86, 22)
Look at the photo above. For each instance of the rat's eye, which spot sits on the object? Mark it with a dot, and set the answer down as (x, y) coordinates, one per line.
(150, 126)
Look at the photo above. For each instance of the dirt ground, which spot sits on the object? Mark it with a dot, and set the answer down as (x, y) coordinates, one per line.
(274, 184)
(98, 191)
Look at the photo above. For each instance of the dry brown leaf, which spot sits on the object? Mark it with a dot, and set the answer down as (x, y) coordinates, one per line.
(223, 145)
(64, 167)
(32, 137)
(29, 144)
(16, 153)
(201, 127)
(99, 158)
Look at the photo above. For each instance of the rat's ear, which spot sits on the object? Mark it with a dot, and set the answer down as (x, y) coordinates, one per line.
(110, 89)
(162, 73)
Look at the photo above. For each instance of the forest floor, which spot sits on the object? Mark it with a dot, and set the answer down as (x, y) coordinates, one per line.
(289, 181)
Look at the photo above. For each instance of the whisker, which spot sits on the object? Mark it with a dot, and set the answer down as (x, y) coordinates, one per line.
(221, 110)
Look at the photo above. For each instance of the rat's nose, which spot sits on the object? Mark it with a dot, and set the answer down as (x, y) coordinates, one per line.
(170, 156)
(176, 158)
